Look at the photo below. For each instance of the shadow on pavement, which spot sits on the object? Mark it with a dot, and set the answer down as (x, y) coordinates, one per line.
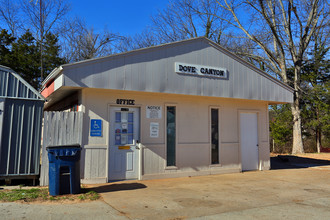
(295, 162)
(118, 187)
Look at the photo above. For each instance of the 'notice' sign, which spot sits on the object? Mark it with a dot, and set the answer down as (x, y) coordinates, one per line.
(200, 70)
(154, 112)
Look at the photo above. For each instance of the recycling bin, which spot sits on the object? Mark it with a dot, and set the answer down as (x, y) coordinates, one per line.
(64, 169)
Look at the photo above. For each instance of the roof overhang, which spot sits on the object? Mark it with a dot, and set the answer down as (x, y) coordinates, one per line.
(68, 70)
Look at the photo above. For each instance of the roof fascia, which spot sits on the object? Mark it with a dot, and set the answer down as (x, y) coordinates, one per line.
(51, 76)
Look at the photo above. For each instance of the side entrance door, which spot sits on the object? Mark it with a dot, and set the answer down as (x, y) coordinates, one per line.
(249, 141)
(124, 134)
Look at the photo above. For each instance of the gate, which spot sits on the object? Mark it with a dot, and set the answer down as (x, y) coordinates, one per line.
(60, 128)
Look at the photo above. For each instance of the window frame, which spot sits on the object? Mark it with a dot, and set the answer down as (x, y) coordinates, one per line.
(171, 167)
(219, 136)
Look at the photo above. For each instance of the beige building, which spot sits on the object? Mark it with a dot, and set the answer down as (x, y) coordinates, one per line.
(180, 109)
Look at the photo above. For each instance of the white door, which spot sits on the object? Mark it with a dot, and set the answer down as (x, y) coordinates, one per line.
(124, 134)
(249, 141)
(2, 112)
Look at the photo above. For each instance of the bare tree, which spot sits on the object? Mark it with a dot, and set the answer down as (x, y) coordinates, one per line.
(183, 19)
(82, 42)
(146, 38)
(282, 31)
(43, 16)
(10, 15)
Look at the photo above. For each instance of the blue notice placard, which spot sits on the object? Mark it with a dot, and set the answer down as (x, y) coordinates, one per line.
(96, 128)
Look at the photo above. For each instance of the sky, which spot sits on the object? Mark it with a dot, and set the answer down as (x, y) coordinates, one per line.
(126, 17)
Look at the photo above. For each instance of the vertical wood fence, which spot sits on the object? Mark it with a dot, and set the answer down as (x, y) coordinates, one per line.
(60, 128)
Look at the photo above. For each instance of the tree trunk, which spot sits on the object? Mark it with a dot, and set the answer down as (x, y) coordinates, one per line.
(41, 41)
(297, 146)
(318, 132)
(318, 140)
(297, 137)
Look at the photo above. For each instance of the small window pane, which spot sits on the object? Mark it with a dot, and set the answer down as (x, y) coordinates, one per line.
(130, 117)
(118, 139)
(124, 127)
(123, 139)
(124, 117)
(118, 117)
(130, 128)
(117, 127)
(130, 139)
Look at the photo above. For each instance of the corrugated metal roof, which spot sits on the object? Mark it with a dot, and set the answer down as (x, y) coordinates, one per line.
(12, 85)
(20, 126)
(152, 70)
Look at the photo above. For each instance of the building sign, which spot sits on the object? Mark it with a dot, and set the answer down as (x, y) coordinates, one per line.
(154, 130)
(199, 70)
(125, 101)
(96, 128)
(154, 112)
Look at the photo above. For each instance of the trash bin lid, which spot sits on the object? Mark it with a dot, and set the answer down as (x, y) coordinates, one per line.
(64, 150)
(64, 146)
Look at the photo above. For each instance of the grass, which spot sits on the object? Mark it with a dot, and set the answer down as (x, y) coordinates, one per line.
(41, 194)
(91, 195)
(23, 194)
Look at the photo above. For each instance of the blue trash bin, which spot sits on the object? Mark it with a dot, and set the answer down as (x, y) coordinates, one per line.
(64, 169)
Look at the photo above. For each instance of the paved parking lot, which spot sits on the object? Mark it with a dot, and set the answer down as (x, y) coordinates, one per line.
(294, 193)
(290, 194)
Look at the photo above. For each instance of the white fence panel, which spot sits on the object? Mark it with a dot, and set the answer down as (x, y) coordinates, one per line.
(60, 128)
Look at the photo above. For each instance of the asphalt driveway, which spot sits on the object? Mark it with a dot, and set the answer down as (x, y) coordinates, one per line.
(292, 193)
(275, 194)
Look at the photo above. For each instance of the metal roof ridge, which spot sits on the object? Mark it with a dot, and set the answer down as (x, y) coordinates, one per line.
(134, 51)
(56, 72)
(5, 68)
(16, 75)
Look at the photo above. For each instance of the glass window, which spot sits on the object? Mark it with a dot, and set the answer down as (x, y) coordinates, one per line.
(215, 136)
(118, 139)
(171, 135)
(118, 116)
(124, 129)
(130, 117)
(130, 128)
(124, 116)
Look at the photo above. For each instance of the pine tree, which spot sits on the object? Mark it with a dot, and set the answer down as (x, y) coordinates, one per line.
(280, 125)
(316, 99)
(6, 41)
(51, 55)
(26, 59)
(23, 55)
